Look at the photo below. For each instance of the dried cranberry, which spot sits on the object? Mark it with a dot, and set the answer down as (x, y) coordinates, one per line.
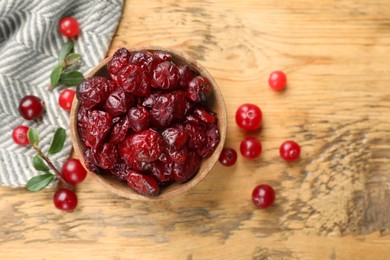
(163, 172)
(175, 136)
(135, 80)
(115, 120)
(139, 118)
(199, 89)
(178, 155)
(119, 131)
(94, 91)
(97, 127)
(145, 146)
(90, 162)
(204, 116)
(145, 59)
(212, 140)
(180, 102)
(163, 56)
(165, 76)
(186, 75)
(106, 156)
(196, 135)
(162, 110)
(82, 121)
(119, 102)
(183, 173)
(143, 184)
(120, 171)
(119, 60)
(151, 99)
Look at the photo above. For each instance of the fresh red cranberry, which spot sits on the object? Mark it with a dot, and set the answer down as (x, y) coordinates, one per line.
(166, 76)
(19, 135)
(139, 118)
(69, 27)
(93, 92)
(145, 146)
(263, 196)
(249, 117)
(119, 102)
(199, 89)
(290, 151)
(65, 199)
(65, 99)
(97, 127)
(31, 107)
(186, 75)
(119, 60)
(250, 148)
(105, 156)
(175, 136)
(73, 171)
(277, 80)
(163, 56)
(212, 140)
(228, 157)
(135, 80)
(143, 184)
(185, 172)
(145, 59)
(119, 131)
(120, 171)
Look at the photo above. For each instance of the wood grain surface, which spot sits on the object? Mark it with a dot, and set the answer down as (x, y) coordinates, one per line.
(331, 204)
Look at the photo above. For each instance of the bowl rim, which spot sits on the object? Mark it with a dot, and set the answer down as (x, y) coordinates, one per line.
(131, 194)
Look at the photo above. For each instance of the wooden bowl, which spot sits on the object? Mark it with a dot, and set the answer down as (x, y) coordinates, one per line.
(216, 104)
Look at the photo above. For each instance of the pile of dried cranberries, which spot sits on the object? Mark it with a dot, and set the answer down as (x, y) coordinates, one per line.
(146, 124)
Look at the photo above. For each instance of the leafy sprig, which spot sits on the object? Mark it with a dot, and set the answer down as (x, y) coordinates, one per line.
(66, 72)
(42, 163)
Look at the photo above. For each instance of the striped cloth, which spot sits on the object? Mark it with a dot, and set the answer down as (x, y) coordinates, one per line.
(29, 46)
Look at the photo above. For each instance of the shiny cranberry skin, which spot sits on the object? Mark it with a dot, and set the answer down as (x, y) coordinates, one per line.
(249, 117)
(93, 92)
(73, 171)
(250, 148)
(139, 118)
(19, 135)
(69, 27)
(143, 184)
(119, 60)
(277, 80)
(186, 75)
(175, 137)
(135, 80)
(65, 199)
(185, 172)
(120, 130)
(199, 89)
(228, 157)
(105, 156)
(31, 107)
(263, 196)
(290, 151)
(166, 76)
(97, 127)
(65, 99)
(119, 102)
(204, 116)
(120, 171)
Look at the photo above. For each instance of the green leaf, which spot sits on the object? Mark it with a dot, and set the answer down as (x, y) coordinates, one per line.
(57, 143)
(33, 136)
(71, 78)
(72, 59)
(39, 164)
(39, 182)
(64, 51)
(55, 76)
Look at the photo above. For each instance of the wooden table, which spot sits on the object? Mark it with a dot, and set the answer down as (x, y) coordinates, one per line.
(332, 204)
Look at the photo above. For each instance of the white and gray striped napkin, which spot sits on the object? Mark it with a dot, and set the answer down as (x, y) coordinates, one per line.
(29, 45)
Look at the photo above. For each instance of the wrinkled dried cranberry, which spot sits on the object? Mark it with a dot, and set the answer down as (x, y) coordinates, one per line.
(196, 135)
(186, 75)
(162, 110)
(151, 99)
(90, 162)
(143, 184)
(198, 89)
(115, 120)
(145, 59)
(135, 80)
(145, 146)
(139, 118)
(163, 172)
(119, 60)
(204, 115)
(180, 102)
(118, 102)
(105, 156)
(119, 131)
(163, 56)
(119, 171)
(178, 155)
(97, 127)
(82, 121)
(165, 76)
(94, 91)
(212, 140)
(183, 173)
(175, 136)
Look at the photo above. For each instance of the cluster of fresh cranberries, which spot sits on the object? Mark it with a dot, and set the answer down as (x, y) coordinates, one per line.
(147, 124)
(249, 118)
